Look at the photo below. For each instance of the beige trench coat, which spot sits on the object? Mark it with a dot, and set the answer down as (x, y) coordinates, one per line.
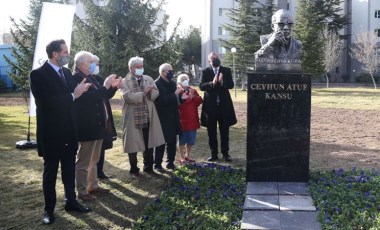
(132, 137)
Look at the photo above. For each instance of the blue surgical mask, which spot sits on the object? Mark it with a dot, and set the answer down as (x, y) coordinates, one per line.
(139, 72)
(92, 67)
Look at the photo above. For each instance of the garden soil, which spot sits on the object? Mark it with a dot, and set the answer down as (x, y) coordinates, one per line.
(340, 138)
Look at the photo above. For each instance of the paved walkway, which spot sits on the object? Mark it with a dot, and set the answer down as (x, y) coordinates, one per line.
(279, 205)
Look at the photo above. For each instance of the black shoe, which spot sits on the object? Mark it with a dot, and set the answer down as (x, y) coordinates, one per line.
(48, 218)
(76, 207)
(159, 168)
(227, 158)
(104, 176)
(149, 171)
(170, 166)
(213, 158)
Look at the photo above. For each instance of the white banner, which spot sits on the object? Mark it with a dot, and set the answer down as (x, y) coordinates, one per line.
(56, 22)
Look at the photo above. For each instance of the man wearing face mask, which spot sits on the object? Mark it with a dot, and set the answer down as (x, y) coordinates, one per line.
(110, 134)
(167, 108)
(217, 108)
(92, 119)
(141, 126)
(55, 92)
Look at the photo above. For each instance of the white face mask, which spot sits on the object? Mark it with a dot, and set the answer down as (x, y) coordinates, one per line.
(139, 72)
(96, 71)
(185, 83)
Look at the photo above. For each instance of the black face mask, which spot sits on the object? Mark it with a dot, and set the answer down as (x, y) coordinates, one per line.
(170, 75)
(216, 62)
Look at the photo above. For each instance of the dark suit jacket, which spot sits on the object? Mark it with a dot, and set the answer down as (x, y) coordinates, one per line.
(91, 121)
(111, 134)
(209, 107)
(167, 109)
(55, 110)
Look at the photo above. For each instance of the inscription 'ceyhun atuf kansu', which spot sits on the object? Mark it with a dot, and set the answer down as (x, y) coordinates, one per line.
(284, 90)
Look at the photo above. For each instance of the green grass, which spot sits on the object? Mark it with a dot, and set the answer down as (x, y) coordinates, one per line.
(21, 199)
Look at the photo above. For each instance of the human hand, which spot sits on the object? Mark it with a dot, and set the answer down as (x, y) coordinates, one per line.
(177, 91)
(81, 88)
(215, 80)
(220, 79)
(148, 89)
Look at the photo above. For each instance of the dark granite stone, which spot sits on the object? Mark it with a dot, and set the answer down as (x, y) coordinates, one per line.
(278, 127)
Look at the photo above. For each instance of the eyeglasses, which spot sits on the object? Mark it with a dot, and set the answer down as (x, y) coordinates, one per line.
(282, 24)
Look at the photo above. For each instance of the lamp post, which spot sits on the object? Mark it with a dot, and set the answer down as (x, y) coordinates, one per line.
(233, 51)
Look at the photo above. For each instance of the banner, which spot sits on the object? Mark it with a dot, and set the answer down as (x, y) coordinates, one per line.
(56, 22)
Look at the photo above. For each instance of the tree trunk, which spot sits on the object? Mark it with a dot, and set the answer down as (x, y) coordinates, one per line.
(373, 80)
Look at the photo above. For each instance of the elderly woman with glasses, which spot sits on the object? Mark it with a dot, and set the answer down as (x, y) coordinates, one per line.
(280, 44)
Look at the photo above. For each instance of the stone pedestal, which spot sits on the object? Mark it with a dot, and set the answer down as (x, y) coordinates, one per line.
(278, 127)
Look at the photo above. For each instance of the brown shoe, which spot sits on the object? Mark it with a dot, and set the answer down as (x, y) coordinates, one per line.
(87, 197)
(99, 190)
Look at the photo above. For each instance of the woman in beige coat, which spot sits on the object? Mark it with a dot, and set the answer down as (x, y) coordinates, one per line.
(141, 125)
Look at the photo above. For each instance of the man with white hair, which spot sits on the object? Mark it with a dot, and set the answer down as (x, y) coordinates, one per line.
(91, 123)
(280, 44)
(167, 108)
(141, 126)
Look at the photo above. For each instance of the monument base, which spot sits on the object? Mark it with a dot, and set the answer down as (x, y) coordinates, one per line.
(278, 128)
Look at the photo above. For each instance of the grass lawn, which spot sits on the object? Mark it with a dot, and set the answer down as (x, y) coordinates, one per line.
(21, 199)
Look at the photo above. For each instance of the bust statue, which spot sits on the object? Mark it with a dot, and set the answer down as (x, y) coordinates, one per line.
(279, 46)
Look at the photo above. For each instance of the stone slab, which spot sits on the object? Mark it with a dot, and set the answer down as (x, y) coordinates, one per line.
(261, 220)
(261, 202)
(262, 188)
(299, 220)
(296, 203)
(292, 188)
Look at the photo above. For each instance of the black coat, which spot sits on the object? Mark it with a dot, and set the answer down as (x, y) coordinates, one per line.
(90, 110)
(167, 109)
(56, 127)
(209, 106)
(110, 134)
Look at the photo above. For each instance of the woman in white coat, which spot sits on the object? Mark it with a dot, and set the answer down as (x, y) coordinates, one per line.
(142, 130)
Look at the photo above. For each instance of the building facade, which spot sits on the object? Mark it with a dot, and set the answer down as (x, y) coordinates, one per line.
(364, 15)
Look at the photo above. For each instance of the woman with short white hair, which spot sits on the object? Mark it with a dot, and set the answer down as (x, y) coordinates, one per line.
(189, 118)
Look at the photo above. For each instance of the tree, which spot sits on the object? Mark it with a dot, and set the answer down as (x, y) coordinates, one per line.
(24, 35)
(248, 21)
(364, 50)
(311, 18)
(123, 29)
(191, 47)
(332, 51)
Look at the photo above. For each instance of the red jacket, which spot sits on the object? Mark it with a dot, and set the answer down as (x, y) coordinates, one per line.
(188, 111)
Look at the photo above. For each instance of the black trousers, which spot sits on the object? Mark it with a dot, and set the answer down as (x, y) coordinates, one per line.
(51, 164)
(100, 163)
(147, 155)
(224, 131)
(170, 151)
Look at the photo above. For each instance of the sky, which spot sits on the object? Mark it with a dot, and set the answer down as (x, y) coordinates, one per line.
(189, 10)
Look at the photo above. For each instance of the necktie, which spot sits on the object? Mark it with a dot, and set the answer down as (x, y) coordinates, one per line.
(63, 79)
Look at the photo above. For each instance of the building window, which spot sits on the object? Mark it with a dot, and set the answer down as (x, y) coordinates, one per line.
(377, 13)
(223, 11)
(377, 32)
(222, 50)
(222, 31)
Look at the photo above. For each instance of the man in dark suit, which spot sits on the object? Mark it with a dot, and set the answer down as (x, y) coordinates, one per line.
(217, 107)
(55, 91)
(167, 109)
